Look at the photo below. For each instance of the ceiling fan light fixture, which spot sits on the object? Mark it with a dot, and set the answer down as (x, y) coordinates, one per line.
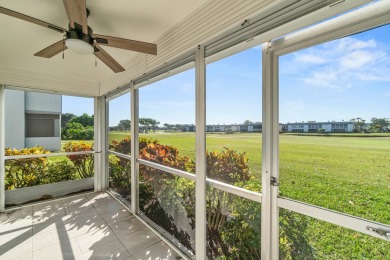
(79, 46)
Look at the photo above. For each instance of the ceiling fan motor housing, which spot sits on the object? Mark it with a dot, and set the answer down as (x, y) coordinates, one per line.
(79, 35)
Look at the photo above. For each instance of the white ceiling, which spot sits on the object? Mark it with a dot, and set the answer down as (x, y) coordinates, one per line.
(141, 20)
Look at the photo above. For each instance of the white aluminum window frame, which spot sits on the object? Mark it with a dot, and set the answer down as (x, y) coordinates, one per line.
(269, 236)
(360, 20)
(100, 141)
(270, 114)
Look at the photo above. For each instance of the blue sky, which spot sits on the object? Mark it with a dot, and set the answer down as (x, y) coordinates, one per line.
(77, 105)
(337, 80)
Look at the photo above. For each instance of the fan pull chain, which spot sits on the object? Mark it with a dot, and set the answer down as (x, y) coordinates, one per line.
(63, 47)
(95, 62)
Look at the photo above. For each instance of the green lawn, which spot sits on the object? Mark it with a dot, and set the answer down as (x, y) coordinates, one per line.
(350, 174)
(185, 142)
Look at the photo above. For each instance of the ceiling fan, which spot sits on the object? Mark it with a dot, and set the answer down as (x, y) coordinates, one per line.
(80, 38)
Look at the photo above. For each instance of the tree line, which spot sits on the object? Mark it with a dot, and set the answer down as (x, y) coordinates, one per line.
(81, 127)
(150, 124)
(77, 127)
(377, 125)
(145, 124)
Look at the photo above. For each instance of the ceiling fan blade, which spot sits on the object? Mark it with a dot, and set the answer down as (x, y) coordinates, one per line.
(77, 14)
(107, 59)
(131, 45)
(52, 50)
(31, 19)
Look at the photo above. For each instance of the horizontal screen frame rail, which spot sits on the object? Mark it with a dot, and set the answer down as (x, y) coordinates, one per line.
(30, 156)
(121, 155)
(243, 193)
(341, 219)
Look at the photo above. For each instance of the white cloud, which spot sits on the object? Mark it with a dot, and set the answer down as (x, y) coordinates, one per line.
(309, 58)
(350, 44)
(360, 59)
(341, 64)
(321, 78)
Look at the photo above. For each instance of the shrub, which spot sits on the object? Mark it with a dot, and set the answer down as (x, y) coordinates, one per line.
(120, 168)
(150, 150)
(83, 163)
(321, 131)
(161, 194)
(120, 176)
(224, 220)
(228, 166)
(121, 146)
(58, 171)
(76, 131)
(21, 173)
(233, 223)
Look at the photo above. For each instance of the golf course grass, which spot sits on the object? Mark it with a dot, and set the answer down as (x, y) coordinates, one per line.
(349, 174)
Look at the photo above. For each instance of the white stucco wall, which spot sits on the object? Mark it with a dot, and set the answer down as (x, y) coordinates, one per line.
(42, 102)
(50, 143)
(14, 119)
(17, 103)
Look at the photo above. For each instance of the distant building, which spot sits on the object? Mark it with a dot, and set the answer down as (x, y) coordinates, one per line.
(234, 128)
(303, 127)
(32, 119)
(185, 128)
(312, 127)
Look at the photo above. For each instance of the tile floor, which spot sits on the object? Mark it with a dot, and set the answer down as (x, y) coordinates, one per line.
(87, 226)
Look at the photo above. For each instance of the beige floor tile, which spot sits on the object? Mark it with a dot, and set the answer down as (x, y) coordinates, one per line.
(138, 241)
(156, 251)
(48, 215)
(89, 213)
(65, 250)
(17, 213)
(110, 207)
(78, 208)
(112, 250)
(95, 239)
(28, 256)
(16, 218)
(48, 225)
(100, 199)
(16, 249)
(87, 225)
(127, 226)
(45, 239)
(116, 216)
(15, 235)
(96, 194)
(71, 201)
(48, 206)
